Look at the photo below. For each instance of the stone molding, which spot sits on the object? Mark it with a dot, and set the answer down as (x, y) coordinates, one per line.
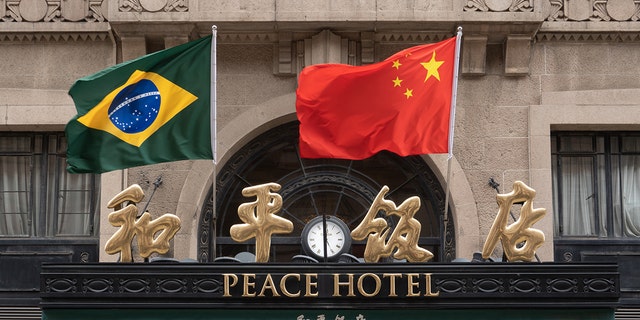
(51, 11)
(54, 37)
(596, 10)
(499, 5)
(153, 5)
(589, 37)
(93, 10)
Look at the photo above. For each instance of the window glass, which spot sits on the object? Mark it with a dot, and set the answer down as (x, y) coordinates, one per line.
(578, 205)
(38, 198)
(576, 144)
(596, 190)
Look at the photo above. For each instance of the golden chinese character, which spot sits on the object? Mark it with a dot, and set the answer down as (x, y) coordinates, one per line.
(144, 228)
(519, 241)
(404, 237)
(260, 219)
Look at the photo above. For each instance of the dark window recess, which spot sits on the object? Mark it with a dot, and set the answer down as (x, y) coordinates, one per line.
(596, 202)
(46, 214)
(596, 185)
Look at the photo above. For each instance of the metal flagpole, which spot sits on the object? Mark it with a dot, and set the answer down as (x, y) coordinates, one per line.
(214, 135)
(452, 120)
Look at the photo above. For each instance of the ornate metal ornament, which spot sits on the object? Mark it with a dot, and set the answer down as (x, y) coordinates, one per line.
(519, 240)
(143, 227)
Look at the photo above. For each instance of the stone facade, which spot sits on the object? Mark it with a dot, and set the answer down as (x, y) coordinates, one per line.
(527, 66)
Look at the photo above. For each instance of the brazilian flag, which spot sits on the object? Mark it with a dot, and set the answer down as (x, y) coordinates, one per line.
(152, 109)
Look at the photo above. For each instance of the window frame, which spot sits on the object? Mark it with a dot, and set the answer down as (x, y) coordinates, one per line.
(43, 212)
(607, 153)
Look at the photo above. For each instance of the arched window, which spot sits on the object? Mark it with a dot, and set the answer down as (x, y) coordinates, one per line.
(312, 187)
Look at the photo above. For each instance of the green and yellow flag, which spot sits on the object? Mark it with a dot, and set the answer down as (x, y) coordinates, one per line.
(152, 109)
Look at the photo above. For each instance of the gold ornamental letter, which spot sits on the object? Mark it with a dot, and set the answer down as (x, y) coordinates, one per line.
(153, 235)
(519, 240)
(260, 219)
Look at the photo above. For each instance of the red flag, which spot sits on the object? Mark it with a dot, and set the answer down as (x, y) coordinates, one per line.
(401, 104)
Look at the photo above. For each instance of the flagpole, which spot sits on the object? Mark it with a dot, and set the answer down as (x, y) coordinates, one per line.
(452, 120)
(214, 134)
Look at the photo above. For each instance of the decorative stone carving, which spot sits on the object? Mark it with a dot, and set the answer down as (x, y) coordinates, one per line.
(596, 10)
(367, 43)
(153, 5)
(499, 5)
(327, 47)
(51, 10)
(283, 61)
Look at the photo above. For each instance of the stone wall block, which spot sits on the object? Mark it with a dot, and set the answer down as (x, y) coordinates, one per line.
(507, 153)
(508, 121)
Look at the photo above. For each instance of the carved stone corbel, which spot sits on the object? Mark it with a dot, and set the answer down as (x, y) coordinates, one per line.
(283, 62)
(517, 55)
(474, 54)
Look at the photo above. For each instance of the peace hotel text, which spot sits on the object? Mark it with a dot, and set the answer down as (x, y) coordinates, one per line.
(310, 285)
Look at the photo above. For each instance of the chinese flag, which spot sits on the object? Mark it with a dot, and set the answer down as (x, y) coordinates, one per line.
(401, 104)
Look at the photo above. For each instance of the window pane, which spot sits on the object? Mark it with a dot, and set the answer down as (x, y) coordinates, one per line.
(15, 177)
(631, 144)
(630, 172)
(612, 208)
(15, 144)
(616, 196)
(600, 196)
(38, 198)
(578, 197)
(71, 199)
(576, 144)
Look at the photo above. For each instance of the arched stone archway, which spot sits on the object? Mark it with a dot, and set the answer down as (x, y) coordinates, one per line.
(280, 110)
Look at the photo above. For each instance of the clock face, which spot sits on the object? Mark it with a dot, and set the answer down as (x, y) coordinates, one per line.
(338, 237)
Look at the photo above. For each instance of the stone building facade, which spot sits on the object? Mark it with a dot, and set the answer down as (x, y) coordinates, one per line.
(530, 71)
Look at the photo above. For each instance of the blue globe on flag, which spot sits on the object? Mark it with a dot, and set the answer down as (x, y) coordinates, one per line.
(135, 107)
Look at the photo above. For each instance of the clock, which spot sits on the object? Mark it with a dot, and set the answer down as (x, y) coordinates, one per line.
(338, 238)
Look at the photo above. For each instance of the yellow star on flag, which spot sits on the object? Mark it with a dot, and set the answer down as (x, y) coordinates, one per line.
(409, 93)
(432, 67)
(396, 64)
(397, 82)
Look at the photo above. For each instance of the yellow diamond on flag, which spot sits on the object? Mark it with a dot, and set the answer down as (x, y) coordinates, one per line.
(138, 108)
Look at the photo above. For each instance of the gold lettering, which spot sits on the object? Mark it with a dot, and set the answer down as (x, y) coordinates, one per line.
(411, 284)
(337, 284)
(427, 283)
(228, 285)
(283, 285)
(361, 287)
(260, 218)
(249, 282)
(268, 284)
(392, 282)
(311, 284)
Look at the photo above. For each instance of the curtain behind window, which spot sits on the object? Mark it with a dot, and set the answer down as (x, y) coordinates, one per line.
(631, 187)
(578, 204)
(15, 186)
(39, 200)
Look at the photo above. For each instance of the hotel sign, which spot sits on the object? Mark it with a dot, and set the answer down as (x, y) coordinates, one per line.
(331, 285)
(310, 285)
